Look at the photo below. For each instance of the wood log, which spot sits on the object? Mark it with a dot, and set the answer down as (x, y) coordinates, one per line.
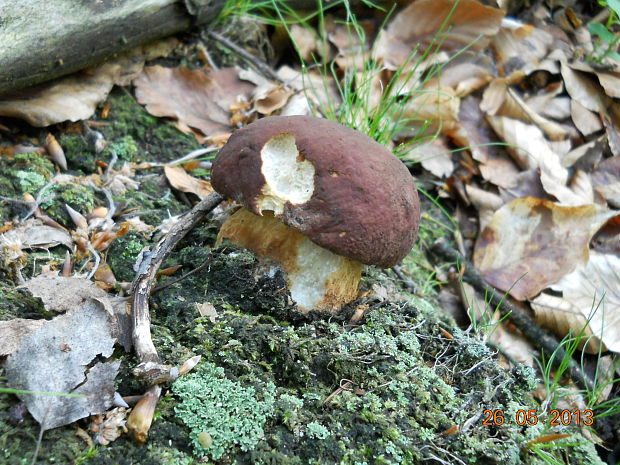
(42, 39)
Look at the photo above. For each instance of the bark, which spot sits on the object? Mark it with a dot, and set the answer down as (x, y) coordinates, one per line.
(42, 39)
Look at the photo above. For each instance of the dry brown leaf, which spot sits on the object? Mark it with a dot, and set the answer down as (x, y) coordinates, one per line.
(198, 100)
(586, 156)
(590, 299)
(520, 46)
(72, 98)
(608, 78)
(435, 156)
(306, 41)
(56, 358)
(438, 106)
(180, 180)
(586, 121)
(531, 243)
(530, 150)
(606, 180)
(494, 96)
(611, 121)
(417, 26)
(527, 185)
(33, 233)
(465, 77)
(474, 132)
(583, 88)
(268, 96)
(320, 91)
(272, 99)
(550, 106)
(526, 144)
(487, 203)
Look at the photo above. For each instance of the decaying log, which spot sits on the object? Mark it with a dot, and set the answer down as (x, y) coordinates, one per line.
(42, 40)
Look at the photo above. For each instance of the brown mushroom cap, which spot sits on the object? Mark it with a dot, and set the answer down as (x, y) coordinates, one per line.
(337, 186)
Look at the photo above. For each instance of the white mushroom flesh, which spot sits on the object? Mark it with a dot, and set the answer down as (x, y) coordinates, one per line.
(288, 176)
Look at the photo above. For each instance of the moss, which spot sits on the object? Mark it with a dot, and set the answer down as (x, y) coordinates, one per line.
(126, 148)
(222, 414)
(78, 197)
(19, 303)
(24, 172)
(78, 153)
(142, 136)
(153, 202)
(123, 253)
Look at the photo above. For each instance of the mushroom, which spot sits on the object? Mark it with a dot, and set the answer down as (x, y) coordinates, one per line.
(319, 199)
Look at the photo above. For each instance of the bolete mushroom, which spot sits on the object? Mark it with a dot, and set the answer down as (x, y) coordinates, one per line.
(320, 200)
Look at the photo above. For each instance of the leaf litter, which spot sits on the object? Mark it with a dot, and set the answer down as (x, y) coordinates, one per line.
(527, 127)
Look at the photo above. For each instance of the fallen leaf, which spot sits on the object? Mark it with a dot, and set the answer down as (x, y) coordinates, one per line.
(583, 88)
(520, 46)
(606, 180)
(466, 77)
(12, 332)
(61, 294)
(180, 180)
(485, 202)
(57, 358)
(33, 233)
(530, 149)
(468, 23)
(197, 99)
(434, 156)
(531, 243)
(207, 309)
(586, 121)
(72, 98)
(306, 41)
(590, 300)
(320, 91)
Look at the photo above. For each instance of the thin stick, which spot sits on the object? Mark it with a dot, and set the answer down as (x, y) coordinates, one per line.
(521, 320)
(141, 288)
(261, 66)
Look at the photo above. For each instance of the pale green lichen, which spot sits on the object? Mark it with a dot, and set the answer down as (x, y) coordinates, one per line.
(29, 181)
(231, 414)
(315, 430)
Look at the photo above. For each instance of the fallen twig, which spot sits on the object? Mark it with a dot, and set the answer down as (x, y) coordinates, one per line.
(520, 319)
(261, 66)
(141, 288)
(150, 367)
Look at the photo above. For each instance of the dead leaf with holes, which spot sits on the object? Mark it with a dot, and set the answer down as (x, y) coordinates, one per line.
(531, 243)
(589, 302)
(198, 100)
(180, 180)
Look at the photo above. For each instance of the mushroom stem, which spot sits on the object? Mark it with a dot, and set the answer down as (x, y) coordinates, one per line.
(317, 278)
